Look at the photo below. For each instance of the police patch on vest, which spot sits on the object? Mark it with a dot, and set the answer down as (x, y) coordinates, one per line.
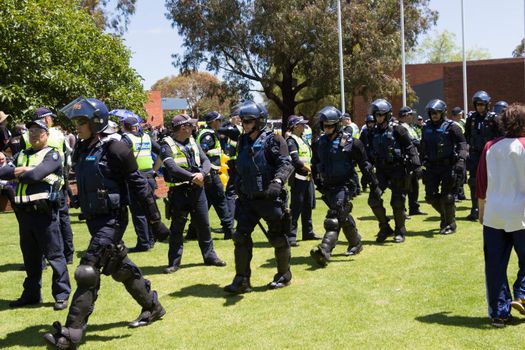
(55, 156)
(91, 158)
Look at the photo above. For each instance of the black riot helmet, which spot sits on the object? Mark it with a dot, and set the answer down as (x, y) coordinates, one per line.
(381, 106)
(481, 97)
(91, 108)
(500, 107)
(329, 115)
(250, 110)
(438, 106)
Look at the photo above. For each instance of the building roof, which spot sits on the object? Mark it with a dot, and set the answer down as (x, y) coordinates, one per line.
(174, 104)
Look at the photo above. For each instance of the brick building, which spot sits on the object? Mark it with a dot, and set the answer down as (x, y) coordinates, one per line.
(155, 115)
(503, 79)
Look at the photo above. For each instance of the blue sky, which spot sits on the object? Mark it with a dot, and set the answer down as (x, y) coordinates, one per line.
(497, 26)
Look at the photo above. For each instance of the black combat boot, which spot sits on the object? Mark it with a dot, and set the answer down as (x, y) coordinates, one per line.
(64, 337)
(239, 285)
(385, 231)
(280, 280)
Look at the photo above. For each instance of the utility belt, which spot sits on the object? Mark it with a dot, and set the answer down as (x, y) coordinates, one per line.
(41, 206)
(303, 177)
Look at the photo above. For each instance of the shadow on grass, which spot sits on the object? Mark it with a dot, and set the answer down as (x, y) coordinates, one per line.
(32, 336)
(432, 218)
(4, 305)
(159, 270)
(11, 267)
(446, 319)
(367, 218)
(213, 291)
(304, 260)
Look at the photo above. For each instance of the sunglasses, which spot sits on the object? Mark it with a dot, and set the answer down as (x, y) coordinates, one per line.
(80, 122)
(248, 121)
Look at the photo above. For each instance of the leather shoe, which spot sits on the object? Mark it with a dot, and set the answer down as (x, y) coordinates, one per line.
(239, 285)
(280, 281)
(60, 304)
(384, 233)
(518, 305)
(311, 237)
(448, 230)
(215, 262)
(171, 269)
(138, 249)
(319, 256)
(21, 302)
(416, 212)
(146, 317)
(355, 249)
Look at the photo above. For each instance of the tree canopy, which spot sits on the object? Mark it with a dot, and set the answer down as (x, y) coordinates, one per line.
(104, 18)
(51, 52)
(519, 51)
(289, 47)
(442, 47)
(203, 91)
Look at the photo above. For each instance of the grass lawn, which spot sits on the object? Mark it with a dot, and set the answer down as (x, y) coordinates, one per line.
(427, 293)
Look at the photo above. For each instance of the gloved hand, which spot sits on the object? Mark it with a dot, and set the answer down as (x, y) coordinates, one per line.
(274, 190)
(74, 202)
(418, 172)
(459, 167)
(160, 231)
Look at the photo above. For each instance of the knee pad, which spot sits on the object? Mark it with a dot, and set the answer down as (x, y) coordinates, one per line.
(331, 224)
(241, 239)
(87, 276)
(279, 242)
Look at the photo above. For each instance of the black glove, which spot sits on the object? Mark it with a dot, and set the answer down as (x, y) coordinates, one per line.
(160, 231)
(418, 172)
(459, 167)
(274, 190)
(74, 202)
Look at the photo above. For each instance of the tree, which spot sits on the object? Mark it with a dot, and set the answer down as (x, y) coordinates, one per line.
(105, 19)
(442, 47)
(519, 51)
(203, 91)
(289, 46)
(51, 52)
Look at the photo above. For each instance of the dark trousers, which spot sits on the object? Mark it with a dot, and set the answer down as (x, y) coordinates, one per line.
(301, 201)
(65, 226)
(393, 178)
(145, 238)
(413, 195)
(106, 231)
(40, 237)
(229, 191)
(191, 200)
(472, 167)
(249, 214)
(497, 246)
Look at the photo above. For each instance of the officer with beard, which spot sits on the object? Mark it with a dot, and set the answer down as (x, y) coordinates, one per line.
(106, 170)
(444, 151)
(263, 167)
(334, 156)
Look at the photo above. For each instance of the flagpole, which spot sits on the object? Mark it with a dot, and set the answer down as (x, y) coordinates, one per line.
(341, 71)
(403, 72)
(465, 103)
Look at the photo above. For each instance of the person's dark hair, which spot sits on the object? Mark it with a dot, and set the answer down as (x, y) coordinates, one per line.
(513, 120)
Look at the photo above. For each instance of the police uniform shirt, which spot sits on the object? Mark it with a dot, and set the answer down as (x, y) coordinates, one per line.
(178, 173)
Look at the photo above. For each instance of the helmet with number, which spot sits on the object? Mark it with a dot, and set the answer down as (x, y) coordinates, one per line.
(250, 110)
(381, 106)
(329, 115)
(500, 107)
(91, 108)
(481, 97)
(438, 106)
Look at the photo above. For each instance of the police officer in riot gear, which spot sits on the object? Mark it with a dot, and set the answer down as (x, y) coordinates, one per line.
(481, 126)
(334, 156)
(302, 189)
(396, 159)
(186, 167)
(365, 139)
(500, 107)
(444, 151)
(263, 167)
(404, 116)
(142, 146)
(39, 174)
(105, 170)
(208, 139)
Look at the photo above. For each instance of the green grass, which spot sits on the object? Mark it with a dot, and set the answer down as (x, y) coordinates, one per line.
(427, 293)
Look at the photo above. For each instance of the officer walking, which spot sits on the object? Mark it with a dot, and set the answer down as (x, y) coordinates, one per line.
(302, 191)
(263, 167)
(365, 139)
(395, 158)
(444, 151)
(458, 116)
(106, 170)
(185, 168)
(481, 126)
(209, 141)
(142, 146)
(39, 174)
(57, 141)
(405, 115)
(335, 153)
(351, 128)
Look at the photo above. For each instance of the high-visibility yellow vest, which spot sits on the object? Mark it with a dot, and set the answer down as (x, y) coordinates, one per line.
(180, 158)
(233, 144)
(27, 193)
(305, 154)
(141, 146)
(216, 151)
